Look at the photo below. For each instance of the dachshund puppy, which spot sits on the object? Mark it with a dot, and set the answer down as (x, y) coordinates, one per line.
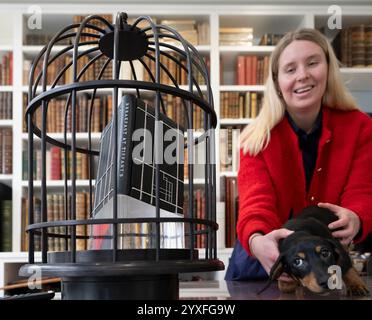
(307, 254)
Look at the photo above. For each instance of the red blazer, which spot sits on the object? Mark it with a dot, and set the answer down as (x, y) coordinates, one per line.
(272, 184)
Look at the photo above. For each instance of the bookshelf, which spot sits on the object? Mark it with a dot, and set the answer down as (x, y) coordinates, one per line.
(263, 19)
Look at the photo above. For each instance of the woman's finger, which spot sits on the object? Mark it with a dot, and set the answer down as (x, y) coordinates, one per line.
(281, 233)
(330, 206)
(345, 233)
(338, 223)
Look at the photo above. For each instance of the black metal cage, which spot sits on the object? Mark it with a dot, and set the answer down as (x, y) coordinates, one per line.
(172, 91)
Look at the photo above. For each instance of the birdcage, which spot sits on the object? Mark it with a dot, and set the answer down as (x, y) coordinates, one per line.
(136, 227)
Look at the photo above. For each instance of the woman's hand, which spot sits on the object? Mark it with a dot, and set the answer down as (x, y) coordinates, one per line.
(265, 249)
(347, 220)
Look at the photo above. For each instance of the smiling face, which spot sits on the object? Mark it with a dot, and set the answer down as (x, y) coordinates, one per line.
(302, 76)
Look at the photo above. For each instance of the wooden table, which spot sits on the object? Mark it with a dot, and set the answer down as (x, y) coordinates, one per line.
(246, 290)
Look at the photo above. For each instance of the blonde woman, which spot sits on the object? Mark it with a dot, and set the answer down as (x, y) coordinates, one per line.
(310, 145)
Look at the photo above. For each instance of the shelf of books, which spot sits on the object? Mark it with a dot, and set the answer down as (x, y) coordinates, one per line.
(6, 68)
(235, 41)
(6, 122)
(353, 46)
(6, 140)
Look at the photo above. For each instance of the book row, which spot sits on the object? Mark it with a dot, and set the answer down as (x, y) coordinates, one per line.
(5, 218)
(197, 33)
(353, 46)
(133, 235)
(6, 150)
(5, 225)
(229, 148)
(177, 110)
(55, 165)
(32, 38)
(233, 105)
(236, 36)
(56, 212)
(229, 160)
(101, 114)
(77, 19)
(191, 30)
(171, 72)
(61, 69)
(251, 69)
(245, 37)
(6, 68)
(237, 105)
(270, 39)
(6, 105)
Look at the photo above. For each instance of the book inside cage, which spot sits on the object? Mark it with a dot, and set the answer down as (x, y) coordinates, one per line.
(136, 169)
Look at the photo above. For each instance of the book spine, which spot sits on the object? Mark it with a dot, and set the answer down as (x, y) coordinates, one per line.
(24, 223)
(7, 151)
(126, 121)
(50, 218)
(81, 214)
(240, 70)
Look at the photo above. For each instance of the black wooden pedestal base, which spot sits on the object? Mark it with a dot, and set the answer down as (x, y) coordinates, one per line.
(134, 275)
(163, 287)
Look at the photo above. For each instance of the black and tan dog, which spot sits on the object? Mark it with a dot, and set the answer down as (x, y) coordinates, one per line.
(307, 254)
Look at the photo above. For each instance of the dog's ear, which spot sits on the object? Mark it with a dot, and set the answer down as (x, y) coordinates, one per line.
(276, 270)
(341, 256)
(278, 267)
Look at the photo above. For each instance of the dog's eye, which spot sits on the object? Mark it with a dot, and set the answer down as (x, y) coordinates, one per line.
(298, 262)
(325, 253)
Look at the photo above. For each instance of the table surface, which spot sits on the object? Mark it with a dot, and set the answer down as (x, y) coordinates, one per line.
(247, 290)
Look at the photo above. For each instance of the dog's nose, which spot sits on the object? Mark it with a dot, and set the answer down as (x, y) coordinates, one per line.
(324, 284)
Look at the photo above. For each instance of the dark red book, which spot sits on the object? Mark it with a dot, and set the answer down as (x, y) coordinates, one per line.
(55, 163)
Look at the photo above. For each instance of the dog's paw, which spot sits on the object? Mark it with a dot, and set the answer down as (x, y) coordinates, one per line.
(359, 289)
(354, 284)
(287, 286)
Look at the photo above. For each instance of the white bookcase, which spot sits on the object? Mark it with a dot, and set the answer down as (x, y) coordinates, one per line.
(262, 18)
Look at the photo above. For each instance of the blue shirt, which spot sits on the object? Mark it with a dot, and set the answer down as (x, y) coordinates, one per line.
(308, 143)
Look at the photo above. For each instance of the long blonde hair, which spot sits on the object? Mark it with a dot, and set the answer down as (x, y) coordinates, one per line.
(256, 136)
